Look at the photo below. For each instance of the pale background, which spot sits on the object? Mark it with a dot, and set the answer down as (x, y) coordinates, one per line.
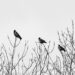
(34, 18)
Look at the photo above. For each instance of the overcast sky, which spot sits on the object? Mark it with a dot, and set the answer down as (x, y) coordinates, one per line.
(34, 18)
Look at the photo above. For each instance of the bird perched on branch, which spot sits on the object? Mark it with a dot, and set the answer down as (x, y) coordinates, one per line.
(41, 40)
(61, 48)
(16, 34)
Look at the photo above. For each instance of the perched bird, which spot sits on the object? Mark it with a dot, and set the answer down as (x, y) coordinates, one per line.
(61, 48)
(41, 40)
(16, 34)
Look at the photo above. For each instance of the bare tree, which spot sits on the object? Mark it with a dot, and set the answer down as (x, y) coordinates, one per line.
(8, 66)
(66, 39)
(42, 60)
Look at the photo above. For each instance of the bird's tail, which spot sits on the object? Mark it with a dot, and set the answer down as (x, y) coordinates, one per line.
(20, 38)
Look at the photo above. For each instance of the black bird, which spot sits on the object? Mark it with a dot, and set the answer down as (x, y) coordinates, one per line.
(41, 40)
(61, 48)
(16, 34)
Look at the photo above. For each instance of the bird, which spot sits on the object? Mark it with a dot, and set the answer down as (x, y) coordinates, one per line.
(61, 48)
(16, 34)
(41, 40)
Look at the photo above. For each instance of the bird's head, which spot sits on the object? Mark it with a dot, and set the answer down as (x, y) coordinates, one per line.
(14, 31)
(39, 38)
(58, 45)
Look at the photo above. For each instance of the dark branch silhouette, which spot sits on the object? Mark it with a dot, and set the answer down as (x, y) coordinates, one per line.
(41, 40)
(61, 48)
(16, 34)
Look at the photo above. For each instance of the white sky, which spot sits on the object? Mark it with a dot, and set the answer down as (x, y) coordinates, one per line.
(34, 18)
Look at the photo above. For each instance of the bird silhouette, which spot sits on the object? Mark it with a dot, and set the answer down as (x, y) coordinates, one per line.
(41, 40)
(61, 48)
(16, 34)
